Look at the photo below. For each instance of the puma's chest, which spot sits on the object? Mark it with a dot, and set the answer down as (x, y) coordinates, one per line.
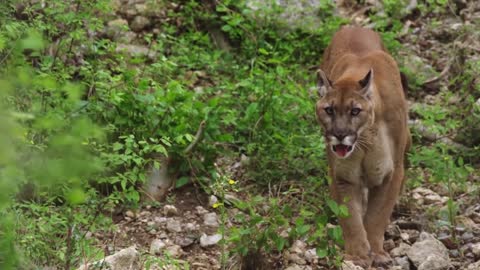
(368, 167)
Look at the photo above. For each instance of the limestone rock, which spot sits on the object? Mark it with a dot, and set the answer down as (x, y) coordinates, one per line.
(209, 240)
(474, 266)
(302, 14)
(348, 265)
(174, 226)
(174, 251)
(211, 220)
(170, 210)
(401, 250)
(311, 255)
(403, 262)
(429, 253)
(156, 246)
(476, 250)
(139, 23)
(125, 259)
(116, 28)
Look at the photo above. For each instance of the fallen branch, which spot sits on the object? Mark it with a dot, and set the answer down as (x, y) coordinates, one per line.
(196, 140)
(424, 132)
(441, 75)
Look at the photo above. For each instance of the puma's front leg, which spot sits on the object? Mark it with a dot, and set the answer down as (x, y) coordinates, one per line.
(356, 244)
(381, 200)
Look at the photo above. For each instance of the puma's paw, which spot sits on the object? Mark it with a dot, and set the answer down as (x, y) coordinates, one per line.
(362, 261)
(381, 259)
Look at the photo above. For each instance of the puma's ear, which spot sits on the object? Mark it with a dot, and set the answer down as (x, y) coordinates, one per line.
(323, 83)
(366, 84)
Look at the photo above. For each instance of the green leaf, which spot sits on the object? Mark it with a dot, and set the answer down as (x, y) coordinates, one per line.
(280, 243)
(333, 206)
(33, 41)
(322, 253)
(76, 196)
(303, 229)
(182, 181)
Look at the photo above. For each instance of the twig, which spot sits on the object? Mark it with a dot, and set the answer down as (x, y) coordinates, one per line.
(441, 75)
(68, 253)
(197, 139)
(423, 131)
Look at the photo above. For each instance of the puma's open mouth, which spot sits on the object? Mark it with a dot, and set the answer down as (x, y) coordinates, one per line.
(342, 150)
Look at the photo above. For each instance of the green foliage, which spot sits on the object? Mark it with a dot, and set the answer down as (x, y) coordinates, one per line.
(78, 106)
(78, 114)
(272, 225)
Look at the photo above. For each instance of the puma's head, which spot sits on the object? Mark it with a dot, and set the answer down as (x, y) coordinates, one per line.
(344, 110)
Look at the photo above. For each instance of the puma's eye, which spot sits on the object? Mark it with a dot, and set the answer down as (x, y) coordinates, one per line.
(329, 110)
(355, 111)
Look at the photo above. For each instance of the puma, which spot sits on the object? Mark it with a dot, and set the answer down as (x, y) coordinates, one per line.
(363, 114)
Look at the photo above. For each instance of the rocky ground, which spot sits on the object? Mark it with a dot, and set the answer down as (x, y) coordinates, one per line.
(188, 231)
(187, 227)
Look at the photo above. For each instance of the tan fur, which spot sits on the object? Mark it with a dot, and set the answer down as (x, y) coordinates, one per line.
(376, 163)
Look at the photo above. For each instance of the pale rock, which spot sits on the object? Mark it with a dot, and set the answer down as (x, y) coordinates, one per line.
(170, 210)
(138, 51)
(298, 267)
(295, 267)
(127, 37)
(156, 246)
(159, 180)
(311, 255)
(429, 253)
(301, 14)
(122, 260)
(175, 251)
(209, 240)
(298, 247)
(405, 236)
(160, 219)
(211, 220)
(141, 8)
(200, 210)
(190, 227)
(145, 213)
(434, 262)
(116, 28)
(130, 214)
(474, 266)
(348, 265)
(403, 262)
(139, 23)
(212, 200)
(174, 226)
(184, 241)
(401, 250)
(476, 249)
(435, 198)
(295, 258)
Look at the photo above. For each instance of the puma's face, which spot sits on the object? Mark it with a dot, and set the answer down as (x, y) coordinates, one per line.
(345, 111)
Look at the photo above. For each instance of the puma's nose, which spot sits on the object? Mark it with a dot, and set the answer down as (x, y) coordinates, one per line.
(341, 135)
